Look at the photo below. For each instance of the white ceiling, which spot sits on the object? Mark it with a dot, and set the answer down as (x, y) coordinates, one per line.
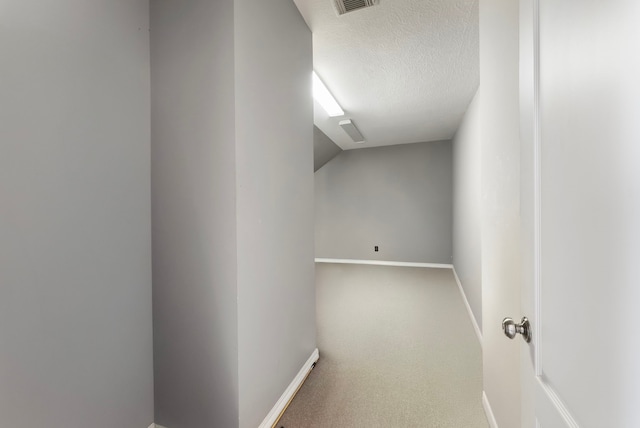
(404, 70)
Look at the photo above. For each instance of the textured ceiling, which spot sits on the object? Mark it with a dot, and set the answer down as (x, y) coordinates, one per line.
(404, 71)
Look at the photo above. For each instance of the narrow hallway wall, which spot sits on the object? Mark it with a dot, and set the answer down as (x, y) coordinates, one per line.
(232, 180)
(467, 207)
(274, 182)
(75, 222)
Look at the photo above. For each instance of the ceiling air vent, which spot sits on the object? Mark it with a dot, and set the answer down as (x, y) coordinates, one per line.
(344, 6)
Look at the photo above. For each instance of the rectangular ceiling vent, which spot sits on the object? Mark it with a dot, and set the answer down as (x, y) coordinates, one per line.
(344, 6)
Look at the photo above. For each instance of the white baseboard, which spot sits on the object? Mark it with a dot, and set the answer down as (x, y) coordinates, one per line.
(291, 390)
(385, 263)
(487, 410)
(476, 327)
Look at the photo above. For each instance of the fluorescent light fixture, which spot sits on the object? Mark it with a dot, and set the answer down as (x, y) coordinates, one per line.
(350, 128)
(322, 95)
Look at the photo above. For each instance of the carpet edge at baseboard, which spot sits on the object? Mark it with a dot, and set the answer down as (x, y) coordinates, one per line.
(488, 411)
(384, 263)
(282, 403)
(472, 316)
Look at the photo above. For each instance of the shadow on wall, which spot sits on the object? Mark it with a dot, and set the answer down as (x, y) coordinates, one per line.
(324, 149)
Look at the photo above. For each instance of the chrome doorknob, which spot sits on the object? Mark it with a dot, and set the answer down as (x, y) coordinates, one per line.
(511, 328)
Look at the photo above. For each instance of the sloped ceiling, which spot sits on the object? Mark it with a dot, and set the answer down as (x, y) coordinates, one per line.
(404, 70)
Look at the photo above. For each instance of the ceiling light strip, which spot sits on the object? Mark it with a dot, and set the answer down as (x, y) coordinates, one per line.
(322, 95)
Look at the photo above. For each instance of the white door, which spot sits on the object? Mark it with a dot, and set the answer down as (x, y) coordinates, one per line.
(580, 129)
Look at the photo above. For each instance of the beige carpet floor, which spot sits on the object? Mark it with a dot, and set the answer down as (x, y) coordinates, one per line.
(397, 349)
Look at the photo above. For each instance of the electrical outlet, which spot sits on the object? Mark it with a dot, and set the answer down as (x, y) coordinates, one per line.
(375, 248)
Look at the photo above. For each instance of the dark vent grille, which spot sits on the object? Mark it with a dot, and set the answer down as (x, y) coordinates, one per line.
(344, 6)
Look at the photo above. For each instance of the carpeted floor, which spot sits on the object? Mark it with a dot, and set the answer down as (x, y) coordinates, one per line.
(397, 349)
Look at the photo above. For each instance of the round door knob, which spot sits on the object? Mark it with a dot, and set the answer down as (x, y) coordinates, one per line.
(511, 328)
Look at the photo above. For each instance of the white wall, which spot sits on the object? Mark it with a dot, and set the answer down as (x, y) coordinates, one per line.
(467, 207)
(75, 256)
(274, 149)
(232, 145)
(500, 166)
(194, 213)
(396, 197)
